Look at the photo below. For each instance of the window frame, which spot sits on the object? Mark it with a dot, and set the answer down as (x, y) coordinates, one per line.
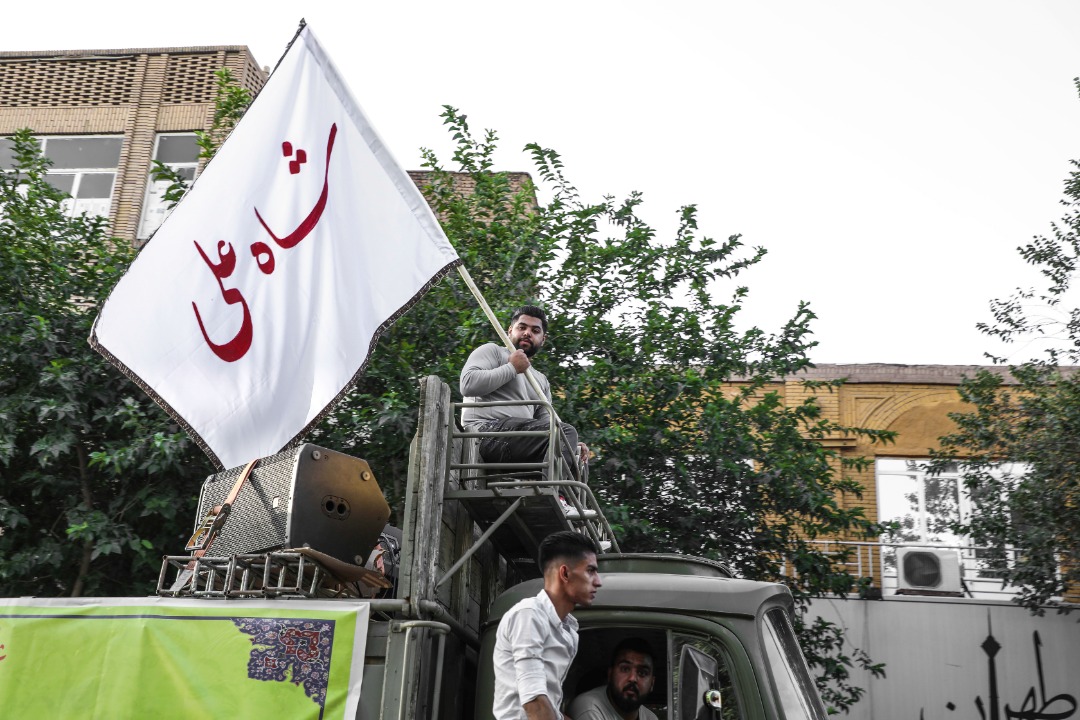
(981, 580)
(741, 667)
(153, 212)
(74, 205)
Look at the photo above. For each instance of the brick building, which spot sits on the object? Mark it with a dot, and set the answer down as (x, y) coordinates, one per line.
(914, 401)
(103, 116)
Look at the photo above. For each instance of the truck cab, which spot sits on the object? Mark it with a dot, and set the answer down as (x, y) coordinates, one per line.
(723, 648)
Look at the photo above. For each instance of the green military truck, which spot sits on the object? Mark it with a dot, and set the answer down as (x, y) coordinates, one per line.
(278, 633)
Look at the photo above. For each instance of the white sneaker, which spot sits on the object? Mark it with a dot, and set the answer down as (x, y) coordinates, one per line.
(573, 513)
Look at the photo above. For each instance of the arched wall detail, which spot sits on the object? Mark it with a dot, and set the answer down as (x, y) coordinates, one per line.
(919, 417)
(890, 404)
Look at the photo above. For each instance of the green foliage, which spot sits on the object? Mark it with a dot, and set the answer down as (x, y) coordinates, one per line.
(95, 485)
(1034, 511)
(642, 357)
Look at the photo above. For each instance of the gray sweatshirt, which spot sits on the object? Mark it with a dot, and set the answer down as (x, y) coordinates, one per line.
(487, 376)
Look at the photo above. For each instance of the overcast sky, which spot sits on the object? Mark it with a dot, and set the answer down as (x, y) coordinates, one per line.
(889, 155)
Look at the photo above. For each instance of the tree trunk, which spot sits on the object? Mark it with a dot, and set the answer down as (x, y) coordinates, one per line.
(88, 546)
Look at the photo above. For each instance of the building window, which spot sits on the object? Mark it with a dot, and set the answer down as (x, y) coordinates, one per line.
(923, 509)
(180, 152)
(7, 154)
(83, 167)
(921, 506)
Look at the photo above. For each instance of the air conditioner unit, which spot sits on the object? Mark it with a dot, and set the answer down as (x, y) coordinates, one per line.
(928, 571)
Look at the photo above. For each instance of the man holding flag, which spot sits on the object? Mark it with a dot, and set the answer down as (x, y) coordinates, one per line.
(493, 373)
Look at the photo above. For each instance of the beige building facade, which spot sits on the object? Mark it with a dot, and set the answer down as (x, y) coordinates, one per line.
(914, 402)
(103, 116)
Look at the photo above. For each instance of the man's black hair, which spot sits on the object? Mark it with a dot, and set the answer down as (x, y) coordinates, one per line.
(633, 644)
(531, 311)
(565, 545)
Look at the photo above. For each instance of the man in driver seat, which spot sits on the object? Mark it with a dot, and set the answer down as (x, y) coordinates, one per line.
(630, 680)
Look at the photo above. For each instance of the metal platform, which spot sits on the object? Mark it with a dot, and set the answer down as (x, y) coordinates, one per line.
(513, 502)
(257, 575)
(518, 536)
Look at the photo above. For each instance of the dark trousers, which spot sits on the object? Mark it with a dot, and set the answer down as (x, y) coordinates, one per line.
(509, 449)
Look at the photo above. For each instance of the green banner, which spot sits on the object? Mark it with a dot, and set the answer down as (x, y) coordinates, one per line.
(180, 658)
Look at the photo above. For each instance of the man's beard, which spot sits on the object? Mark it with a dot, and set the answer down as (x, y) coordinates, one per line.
(530, 350)
(626, 703)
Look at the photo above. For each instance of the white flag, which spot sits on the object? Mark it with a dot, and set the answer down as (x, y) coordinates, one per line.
(260, 299)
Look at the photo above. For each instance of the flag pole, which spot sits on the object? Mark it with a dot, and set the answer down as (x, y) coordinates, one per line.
(501, 333)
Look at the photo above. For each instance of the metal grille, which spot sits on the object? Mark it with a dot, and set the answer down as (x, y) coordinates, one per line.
(259, 517)
(190, 79)
(61, 83)
(112, 78)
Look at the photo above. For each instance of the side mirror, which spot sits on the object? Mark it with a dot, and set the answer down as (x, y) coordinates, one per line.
(698, 697)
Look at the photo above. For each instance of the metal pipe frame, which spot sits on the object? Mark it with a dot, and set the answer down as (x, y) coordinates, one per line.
(552, 432)
(575, 485)
(468, 637)
(408, 626)
(479, 542)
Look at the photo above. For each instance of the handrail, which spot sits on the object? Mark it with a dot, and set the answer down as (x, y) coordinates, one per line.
(441, 629)
(584, 510)
(552, 432)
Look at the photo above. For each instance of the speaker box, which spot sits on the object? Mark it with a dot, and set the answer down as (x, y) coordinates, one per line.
(305, 496)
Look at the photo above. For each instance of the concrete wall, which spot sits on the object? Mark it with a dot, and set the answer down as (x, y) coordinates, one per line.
(957, 659)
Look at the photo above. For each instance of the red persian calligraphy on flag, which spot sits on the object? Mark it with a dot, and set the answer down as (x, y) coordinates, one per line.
(259, 300)
(238, 346)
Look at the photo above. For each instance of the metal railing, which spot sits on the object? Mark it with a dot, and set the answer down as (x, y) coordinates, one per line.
(580, 505)
(551, 467)
(252, 575)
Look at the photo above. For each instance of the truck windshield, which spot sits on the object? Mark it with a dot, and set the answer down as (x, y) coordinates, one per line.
(795, 690)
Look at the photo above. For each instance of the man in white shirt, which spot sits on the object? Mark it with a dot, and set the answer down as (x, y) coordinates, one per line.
(630, 680)
(537, 638)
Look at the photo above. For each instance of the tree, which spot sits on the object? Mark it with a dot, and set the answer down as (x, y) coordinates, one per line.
(1031, 511)
(697, 452)
(97, 483)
